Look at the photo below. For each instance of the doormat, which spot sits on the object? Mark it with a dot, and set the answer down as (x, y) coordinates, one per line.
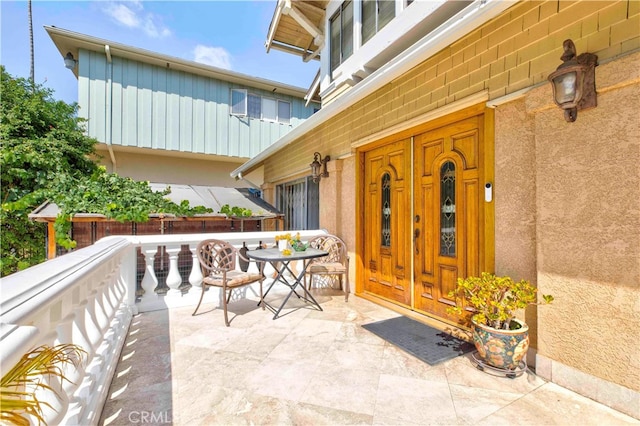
(428, 344)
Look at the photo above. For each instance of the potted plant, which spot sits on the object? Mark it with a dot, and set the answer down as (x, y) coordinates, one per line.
(500, 338)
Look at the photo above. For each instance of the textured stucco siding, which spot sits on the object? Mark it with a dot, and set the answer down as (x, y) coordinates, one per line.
(588, 228)
(567, 195)
(568, 218)
(143, 166)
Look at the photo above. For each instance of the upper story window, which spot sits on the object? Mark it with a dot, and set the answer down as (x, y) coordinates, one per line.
(255, 106)
(238, 102)
(341, 29)
(375, 15)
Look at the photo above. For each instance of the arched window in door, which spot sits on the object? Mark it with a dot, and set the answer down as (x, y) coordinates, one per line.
(448, 209)
(385, 223)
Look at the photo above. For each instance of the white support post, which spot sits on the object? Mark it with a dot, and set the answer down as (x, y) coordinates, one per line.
(173, 278)
(149, 281)
(195, 277)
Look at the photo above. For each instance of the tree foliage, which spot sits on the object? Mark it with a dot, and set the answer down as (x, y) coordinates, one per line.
(45, 155)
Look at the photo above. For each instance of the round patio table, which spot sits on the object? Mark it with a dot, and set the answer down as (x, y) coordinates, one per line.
(280, 263)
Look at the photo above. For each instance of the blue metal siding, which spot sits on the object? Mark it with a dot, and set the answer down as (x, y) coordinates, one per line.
(159, 108)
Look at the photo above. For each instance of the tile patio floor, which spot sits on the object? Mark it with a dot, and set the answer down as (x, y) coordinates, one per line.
(315, 368)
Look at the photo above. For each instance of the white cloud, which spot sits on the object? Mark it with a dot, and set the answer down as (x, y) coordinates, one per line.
(131, 14)
(214, 56)
(122, 14)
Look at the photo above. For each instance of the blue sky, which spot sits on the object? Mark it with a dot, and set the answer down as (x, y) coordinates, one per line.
(226, 34)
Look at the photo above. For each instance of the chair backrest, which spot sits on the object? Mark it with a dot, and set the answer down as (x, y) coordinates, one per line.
(216, 256)
(330, 243)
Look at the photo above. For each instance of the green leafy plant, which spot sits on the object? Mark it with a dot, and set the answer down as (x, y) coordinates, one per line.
(116, 197)
(18, 400)
(45, 155)
(494, 300)
(235, 211)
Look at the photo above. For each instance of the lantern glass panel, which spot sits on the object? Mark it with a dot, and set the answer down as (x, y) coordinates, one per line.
(565, 87)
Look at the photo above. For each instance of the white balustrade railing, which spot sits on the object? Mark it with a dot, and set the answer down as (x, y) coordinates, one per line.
(88, 298)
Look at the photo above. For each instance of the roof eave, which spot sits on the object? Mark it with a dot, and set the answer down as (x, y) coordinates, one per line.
(69, 41)
(459, 25)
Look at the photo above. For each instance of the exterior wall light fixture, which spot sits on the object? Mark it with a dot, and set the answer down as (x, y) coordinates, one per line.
(69, 62)
(574, 81)
(317, 164)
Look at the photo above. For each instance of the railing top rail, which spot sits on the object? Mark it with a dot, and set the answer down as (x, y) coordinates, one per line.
(235, 238)
(26, 291)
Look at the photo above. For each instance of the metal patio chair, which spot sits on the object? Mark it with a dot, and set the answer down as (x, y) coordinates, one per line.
(218, 261)
(336, 263)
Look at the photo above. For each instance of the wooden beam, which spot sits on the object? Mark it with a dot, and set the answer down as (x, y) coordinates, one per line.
(302, 19)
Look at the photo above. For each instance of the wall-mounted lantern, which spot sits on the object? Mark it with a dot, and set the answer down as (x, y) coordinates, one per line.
(317, 164)
(574, 81)
(69, 62)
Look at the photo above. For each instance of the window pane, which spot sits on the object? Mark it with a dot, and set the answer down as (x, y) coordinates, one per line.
(385, 239)
(299, 202)
(238, 102)
(254, 106)
(335, 41)
(386, 12)
(269, 109)
(368, 19)
(448, 209)
(284, 112)
(347, 31)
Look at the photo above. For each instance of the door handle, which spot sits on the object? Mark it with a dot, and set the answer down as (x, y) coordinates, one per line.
(416, 234)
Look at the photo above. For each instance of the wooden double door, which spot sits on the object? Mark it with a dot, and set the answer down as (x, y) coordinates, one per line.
(424, 215)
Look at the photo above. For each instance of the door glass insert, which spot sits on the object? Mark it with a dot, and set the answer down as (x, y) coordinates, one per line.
(386, 210)
(448, 209)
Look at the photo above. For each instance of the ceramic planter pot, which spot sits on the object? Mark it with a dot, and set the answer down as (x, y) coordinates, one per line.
(503, 349)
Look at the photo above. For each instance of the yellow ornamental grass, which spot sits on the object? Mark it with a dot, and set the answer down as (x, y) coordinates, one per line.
(18, 400)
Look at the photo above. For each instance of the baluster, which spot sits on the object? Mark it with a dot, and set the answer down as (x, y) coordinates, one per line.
(195, 277)
(173, 278)
(74, 374)
(100, 313)
(149, 281)
(54, 400)
(91, 328)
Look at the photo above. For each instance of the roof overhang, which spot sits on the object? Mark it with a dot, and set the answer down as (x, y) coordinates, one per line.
(297, 28)
(69, 41)
(213, 197)
(465, 21)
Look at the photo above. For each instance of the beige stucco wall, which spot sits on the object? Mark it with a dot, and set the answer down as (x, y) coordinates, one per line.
(177, 170)
(567, 194)
(515, 202)
(587, 176)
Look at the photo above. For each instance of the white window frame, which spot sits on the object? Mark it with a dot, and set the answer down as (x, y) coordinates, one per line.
(259, 116)
(244, 105)
(232, 107)
(339, 13)
(275, 109)
(280, 119)
(376, 17)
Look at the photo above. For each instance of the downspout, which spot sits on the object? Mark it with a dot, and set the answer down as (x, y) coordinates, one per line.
(108, 112)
